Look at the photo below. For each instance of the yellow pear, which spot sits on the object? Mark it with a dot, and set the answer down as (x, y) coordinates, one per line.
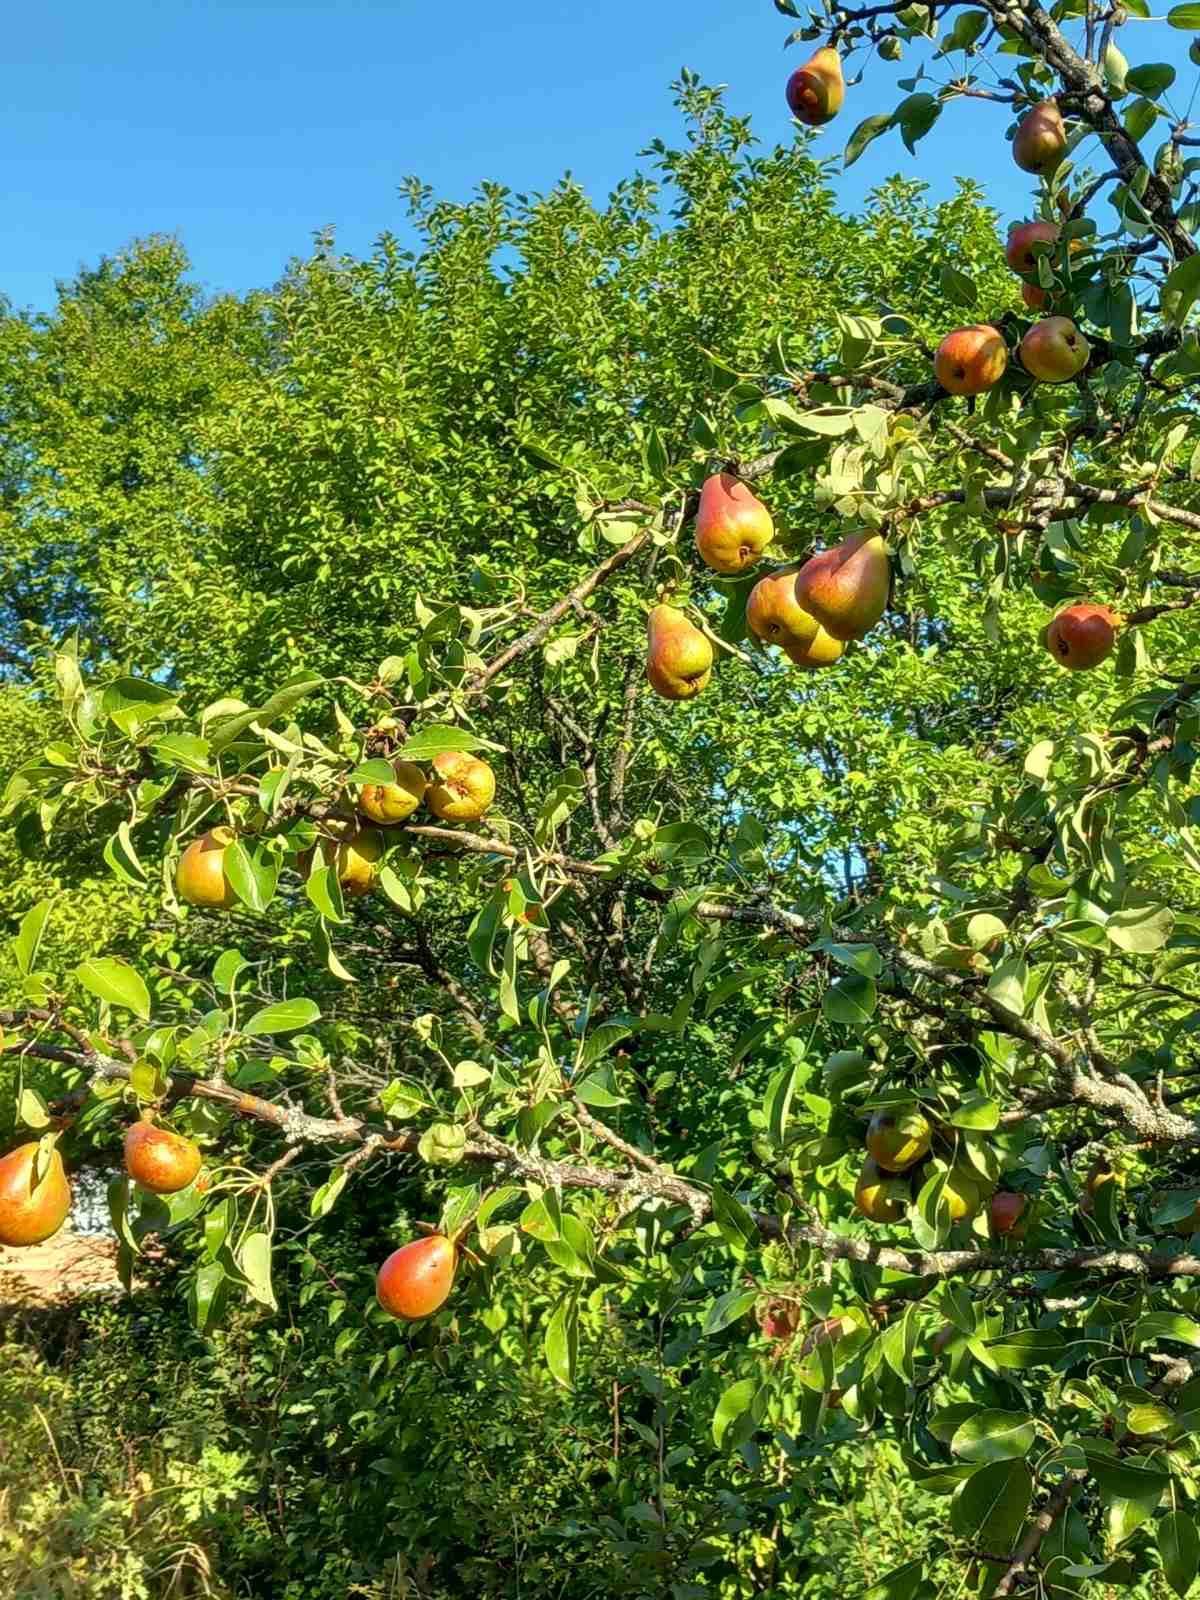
(774, 615)
(463, 787)
(200, 876)
(821, 651)
(355, 858)
(388, 803)
(846, 588)
(679, 658)
(878, 1195)
(816, 90)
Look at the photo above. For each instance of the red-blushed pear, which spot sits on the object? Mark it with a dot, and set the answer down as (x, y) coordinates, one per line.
(1005, 1210)
(1054, 350)
(970, 360)
(733, 527)
(462, 787)
(1040, 141)
(678, 656)
(816, 90)
(1034, 296)
(773, 613)
(780, 1319)
(200, 876)
(1022, 236)
(31, 1211)
(821, 651)
(878, 1195)
(1080, 637)
(161, 1161)
(388, 803)
(897, 1141)
(416, 1279)
(846, 588)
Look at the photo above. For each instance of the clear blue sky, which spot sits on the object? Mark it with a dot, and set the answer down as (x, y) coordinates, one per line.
(243, 126)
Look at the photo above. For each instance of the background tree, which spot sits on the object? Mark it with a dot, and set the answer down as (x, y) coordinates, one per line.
(934, 902)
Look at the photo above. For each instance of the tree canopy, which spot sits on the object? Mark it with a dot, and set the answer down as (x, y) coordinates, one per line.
(624, 1036)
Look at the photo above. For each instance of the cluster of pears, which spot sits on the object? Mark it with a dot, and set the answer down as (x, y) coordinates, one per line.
(972, 360)
(811, 608)
(416, 1280)
(461, 789)
(33, 1208)
(897, 1145)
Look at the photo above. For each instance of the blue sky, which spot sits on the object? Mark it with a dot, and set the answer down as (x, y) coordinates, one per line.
(243, 127)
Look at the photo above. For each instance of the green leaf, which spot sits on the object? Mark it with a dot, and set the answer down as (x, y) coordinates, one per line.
(850, 1000)
(736, 1400)
(325, 1198)
(902, 1583)
(28, 940)
(980, 1112)
(1185, 17)
(374, 771)
(1179, 291)
(254, 1261)
(285, 1016)
(1179, 1550)
(32, 1109)
(1140, 929)
(736, 1223)
(207, 1295)
(437, 737)
(991, 1506)
(1007, 984)
(280, 704)
(1166, 1325)
(867, 131)
(957, 287)
(562, 1341)
(325, 892)
(252, 872)
(1153, 79)
(1028, 1347)
(727, 1308)
(600, 1041)
(115, 982)
(994, 1436)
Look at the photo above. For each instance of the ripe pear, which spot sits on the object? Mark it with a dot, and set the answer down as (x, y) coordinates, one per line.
(1005, 1210)
(733, 527)
(961, 1194)
(878, 1196)
(1040, 141)
(388, 803)
(31, 1212)
(970, 360)
(161, 1161)
(200, 876)
(355, 856)
(846, 588)
(822, 651)
(816, 90)
(1034, 296)
(897, 1142)
(1054, 350)
(679, 658)
(462, 787)
(416, 1279)
(1080, 637)
(1022, 236)
(773, 613)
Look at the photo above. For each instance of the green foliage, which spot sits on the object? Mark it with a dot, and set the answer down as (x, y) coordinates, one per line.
(621, 1038)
